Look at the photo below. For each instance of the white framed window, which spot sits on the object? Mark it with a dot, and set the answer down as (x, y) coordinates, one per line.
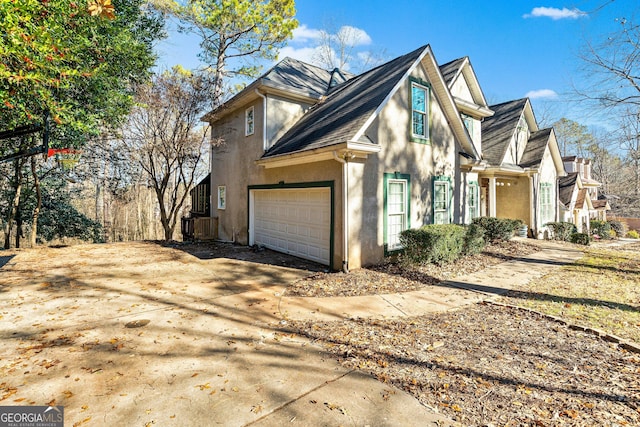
(397, 209)
(419, 112)
(249, 121)
(441, 200)
(473, 198)
(222, 197)
(546, 203)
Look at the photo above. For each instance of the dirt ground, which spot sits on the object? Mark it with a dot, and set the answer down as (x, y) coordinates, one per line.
(139, 334)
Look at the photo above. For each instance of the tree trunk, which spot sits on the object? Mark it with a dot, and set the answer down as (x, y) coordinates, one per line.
(19, 232)
(36, 210)
(17, 185)
(164, 219)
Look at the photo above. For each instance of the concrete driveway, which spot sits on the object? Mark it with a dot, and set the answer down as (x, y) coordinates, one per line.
(137, 334)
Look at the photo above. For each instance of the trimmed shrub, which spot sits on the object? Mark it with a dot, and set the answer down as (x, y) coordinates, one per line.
(632, 234)
(600, 228)
(497, 229)
(434, 243)
(580, 238)
(618, 227)
(474, 241)
(562, 230)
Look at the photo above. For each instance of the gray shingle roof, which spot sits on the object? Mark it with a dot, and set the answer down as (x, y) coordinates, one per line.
(566, 185)
(535, 148)
(498, 129)
(297, 75)
(450, 69)
(346, 108)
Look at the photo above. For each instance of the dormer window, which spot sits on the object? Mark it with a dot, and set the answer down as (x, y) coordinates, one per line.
(248, 121)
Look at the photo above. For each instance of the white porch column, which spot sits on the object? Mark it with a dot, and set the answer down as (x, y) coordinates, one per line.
(492, 196)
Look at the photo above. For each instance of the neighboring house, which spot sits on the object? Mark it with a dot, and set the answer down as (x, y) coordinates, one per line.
(524, 164)
(468, 96)
(575, 201)
(332, 167)
(598, 208)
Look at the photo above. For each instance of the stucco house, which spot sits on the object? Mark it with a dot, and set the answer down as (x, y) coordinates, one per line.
(332, 167)
(523, 167)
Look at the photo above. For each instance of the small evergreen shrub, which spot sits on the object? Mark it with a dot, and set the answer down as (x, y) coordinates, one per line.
(434, 243)
(580, 238)
(618, 227)
(562, 230)
(497, 229)
(474, 241)
(632, 234)
(600, 228)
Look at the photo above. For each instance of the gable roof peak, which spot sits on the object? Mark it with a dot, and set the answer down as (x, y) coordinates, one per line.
(452, 69)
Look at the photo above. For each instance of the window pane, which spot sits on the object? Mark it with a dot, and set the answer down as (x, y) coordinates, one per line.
(441, 194)
(418, 123)
(249, 121)
(396, 212)
(418, 98)
(396, 197)
(396, 224)
(441, 203)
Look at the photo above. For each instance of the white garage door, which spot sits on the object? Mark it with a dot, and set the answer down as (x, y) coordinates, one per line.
(294, 221)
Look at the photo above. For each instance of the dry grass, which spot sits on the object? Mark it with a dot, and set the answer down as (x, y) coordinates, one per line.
(601, 290)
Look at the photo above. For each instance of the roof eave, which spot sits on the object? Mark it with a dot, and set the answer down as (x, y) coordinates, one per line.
(443, 93)
(472, 108)
(248, 93)
(350, 149)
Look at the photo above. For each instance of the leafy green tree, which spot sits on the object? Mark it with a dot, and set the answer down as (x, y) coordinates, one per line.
(74, 60)
(78, 61)
(60, 219)
(234, 33)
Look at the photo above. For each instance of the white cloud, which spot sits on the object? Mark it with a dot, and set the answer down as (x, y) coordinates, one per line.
(354, 35)
(304, 34)
(304, 54)
(310, 44)
(555, 13)
(541, 93)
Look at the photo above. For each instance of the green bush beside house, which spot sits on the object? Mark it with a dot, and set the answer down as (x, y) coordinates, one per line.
(442, 243)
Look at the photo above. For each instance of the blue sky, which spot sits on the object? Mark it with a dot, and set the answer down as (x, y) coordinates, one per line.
(517, 48)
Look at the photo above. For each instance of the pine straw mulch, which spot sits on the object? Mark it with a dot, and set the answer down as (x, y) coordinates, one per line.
(488, 365)
(482, 365)
(393, 276)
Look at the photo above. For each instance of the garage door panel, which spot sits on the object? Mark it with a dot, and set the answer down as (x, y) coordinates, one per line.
(294, 221)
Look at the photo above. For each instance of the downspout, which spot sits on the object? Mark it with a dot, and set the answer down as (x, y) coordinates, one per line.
(264, 119)
(345, 213)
